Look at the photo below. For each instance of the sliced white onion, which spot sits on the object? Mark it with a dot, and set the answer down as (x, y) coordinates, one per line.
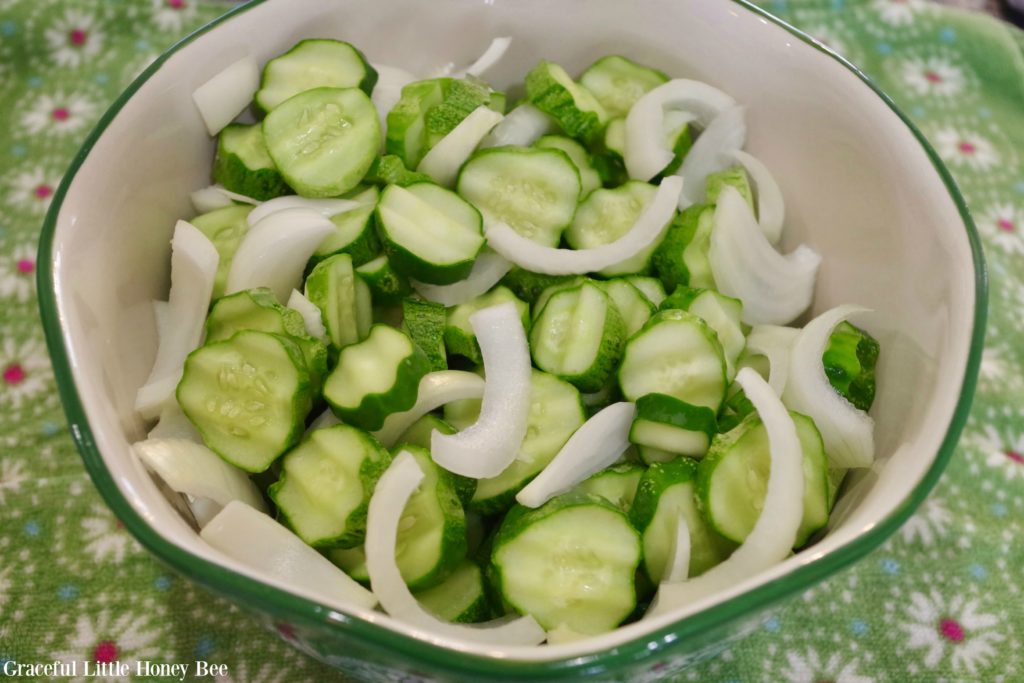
(647, 152)
(269, 549)
(773, 287)
(678, 566)
(162, 316)
(487, 447)
(435, 390)
(174, 425)
(274, 252)
(491, 56)
(387, 505)
(848, 433)
(227, 94)
(203, 509)
(771, 208)
(443, 161)
(775, 531)
(215, 197)
(774, 343)
(325, 207)
(593, 447)
(388, 90)
(488, 269)
(522, 127)
(194, 262)
(712, 152)
(193, 469)
(537, 258)
(311, 316)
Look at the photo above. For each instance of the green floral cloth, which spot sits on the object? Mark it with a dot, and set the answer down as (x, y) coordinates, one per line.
(941, 601)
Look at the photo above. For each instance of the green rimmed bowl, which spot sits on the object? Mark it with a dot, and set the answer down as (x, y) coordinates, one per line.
(862, 187)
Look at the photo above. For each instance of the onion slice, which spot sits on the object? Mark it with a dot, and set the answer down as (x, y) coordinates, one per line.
(388, 90)
(312, 319)
(771, 209)
(537, 258)
(522, 127)
(193, 469)
(774, 343)
(647, 152)
(227, 94)
(848, 433)
(593, 447)
(213, 197)
(443, 161)
(387, 505)
(194, 262)
(435, 390)
(491, 56)
(773, 535)
(274, 252)
(326, 207)
(487, 447)
(712, 152)
(269, 549)
(774, 288)
(488, 269)
(678, 566)
(174, 425)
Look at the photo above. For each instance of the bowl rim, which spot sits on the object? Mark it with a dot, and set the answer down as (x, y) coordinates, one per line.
(302, 611)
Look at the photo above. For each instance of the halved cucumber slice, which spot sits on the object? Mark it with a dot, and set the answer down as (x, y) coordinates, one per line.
(343, 298)
(633, 306)
(248, 396)
(682, 256)
(721, 313)
(323, 140)
(326, 483)
(354, 232)
(650, 287)
(618, 83)
(605, 216)
(550, 563)
(459, 338)
(665, 423)
(577, 153)
(314, 63)
(243, 164)
(424, 322)
(573, 107)
(617, 485)
(733, 478)
(430, 233)
(533, 190)
(675, 353)
(376, 377)
(225, 228)
(460, 598)
(578, 336)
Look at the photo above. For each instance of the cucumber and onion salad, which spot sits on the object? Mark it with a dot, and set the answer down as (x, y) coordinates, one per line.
(513, 374)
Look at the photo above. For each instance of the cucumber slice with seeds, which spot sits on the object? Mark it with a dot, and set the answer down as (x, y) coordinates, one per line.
(323, 140)
(387, 286)
(376, 377)
(459, 338)
(314, 63)
(354, 232)
(577, 153)
(430, 233)
(573, 107)
(618, 83)
(326, 483)
(424, 322)
(225, 228)
(667, 424)
(243, 165)
(605, 216)
(578, 336)
(248, 397)
(343, 298)
(533, 190)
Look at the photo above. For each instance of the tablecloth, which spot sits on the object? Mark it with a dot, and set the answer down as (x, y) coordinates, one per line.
(941, 601)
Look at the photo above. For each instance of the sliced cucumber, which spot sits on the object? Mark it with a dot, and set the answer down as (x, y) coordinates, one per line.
(561, 286)
(248, 397)
(667, 424)
(354, 232)
(528, 286)
(615, 137)
(460, 598)
(533, 190)
(430, 233)
(849, 360)
(427, 111)
(605, 216)
(617, 485)
(722, 314)
(352, 561)
(387, 286)
(633, 306)
(550, 563)
(376, 377)
(225, 228)
(578, 336)
(577, 153)
(733, 176)
(666, 496)
(314, 63)
(243, 164)
(323, 140)
(459, 338)
(618, 83)
(343, 298)
(573, 107)
(390, 170)
(424, 322)
(733, 478)
(650, 287)
(675, 353)
(326, 483)
(681, 247)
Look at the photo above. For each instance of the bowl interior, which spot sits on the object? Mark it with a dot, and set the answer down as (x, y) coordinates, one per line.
(858, 185)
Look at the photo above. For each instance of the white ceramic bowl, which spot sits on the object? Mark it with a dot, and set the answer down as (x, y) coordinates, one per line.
(861, 187)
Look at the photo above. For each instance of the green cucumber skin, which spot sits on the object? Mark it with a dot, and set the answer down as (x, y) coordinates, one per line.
(222, 324)
(425, 323)
(849, 359)
(231, 171)
(735, 177)
(387, 286)
(670, 410)
(624, 481)
(364, 247)
(318, 290)
(389, 169)
(640, 80)
(426, 112)
(552, 98)
(366, 84)
(225, 228)
(658, 477)
(668, 257)
(527, 286)
(370, 471)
